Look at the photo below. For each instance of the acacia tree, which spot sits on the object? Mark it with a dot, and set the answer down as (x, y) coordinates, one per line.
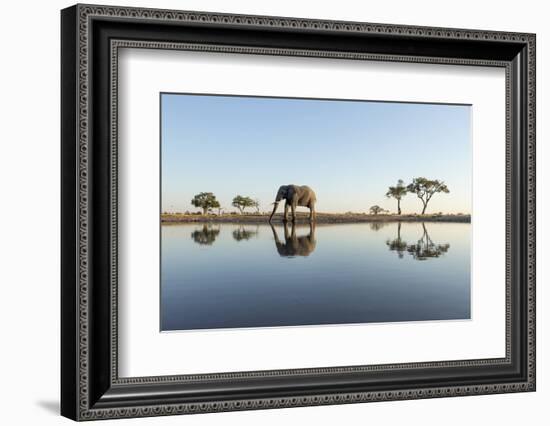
(397, 192)
(376, 209)
(205, 201)
(256, 205)
(242, 203)
(425, 189)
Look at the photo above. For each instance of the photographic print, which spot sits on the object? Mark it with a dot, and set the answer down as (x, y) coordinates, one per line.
(303, 212)
(346, 208)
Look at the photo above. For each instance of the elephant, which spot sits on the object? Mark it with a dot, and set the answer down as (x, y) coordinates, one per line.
(294, 196)
(295, 246)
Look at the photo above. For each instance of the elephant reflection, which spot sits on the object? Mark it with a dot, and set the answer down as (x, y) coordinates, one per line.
(205, 236)
(241, 233)
(295, 245)
(424, 249)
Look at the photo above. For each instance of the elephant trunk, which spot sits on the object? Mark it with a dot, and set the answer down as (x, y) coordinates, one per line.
(275, 205)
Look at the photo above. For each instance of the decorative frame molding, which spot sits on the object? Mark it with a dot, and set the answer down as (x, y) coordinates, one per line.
(91, 388)
(118, 44)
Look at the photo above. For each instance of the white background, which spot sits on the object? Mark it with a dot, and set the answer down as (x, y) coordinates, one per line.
(29, 225)
(146, 352)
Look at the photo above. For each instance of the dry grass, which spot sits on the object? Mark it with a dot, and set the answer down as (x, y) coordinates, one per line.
(321, 218)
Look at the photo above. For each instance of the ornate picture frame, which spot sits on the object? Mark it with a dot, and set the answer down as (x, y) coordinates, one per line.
(91, 37)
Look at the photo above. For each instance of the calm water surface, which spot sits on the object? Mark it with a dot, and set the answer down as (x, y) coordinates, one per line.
(230, 275)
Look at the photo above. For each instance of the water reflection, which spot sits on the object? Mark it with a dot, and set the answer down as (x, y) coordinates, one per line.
(397, 244)
(424, 248)
(219, 279)
(295, 245)
(205, 235)
(377, 226)
(242, 233)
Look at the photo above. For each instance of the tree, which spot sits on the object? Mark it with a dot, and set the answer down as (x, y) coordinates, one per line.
(205, 201)
(242, 203)
(425, 189)
(397, 192)
(376, 209)
(256, 205)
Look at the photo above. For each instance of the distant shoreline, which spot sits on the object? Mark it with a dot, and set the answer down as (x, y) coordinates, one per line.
(321, 218)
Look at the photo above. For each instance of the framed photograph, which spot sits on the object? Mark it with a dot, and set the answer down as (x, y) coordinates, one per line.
(263, 212)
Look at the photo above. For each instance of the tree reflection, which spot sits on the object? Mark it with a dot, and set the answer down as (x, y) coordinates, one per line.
(295, 245)
(205, 236)
(397, 244)
(424, 248)
(377, 226)
(241, 233)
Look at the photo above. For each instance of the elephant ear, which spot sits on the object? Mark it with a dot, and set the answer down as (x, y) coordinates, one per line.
(281, 193)
(290, 191)
(284, 190)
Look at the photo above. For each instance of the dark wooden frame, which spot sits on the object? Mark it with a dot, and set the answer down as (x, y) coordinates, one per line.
(90, 386)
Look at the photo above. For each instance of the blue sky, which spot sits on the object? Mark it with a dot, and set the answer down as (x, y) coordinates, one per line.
(348, 152)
